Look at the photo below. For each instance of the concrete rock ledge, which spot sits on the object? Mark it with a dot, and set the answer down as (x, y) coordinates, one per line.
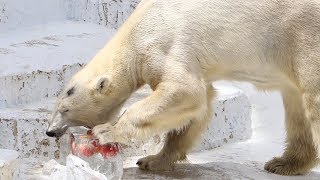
(32, 87)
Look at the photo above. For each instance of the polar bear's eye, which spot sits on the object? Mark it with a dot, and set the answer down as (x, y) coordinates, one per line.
(70, 91)
(102, 85)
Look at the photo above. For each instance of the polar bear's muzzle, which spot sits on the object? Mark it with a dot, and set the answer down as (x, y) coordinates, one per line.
(56, 132)
(57, 126)
(51, 134)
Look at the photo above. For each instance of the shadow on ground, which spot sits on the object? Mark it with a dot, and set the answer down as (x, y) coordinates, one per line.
(216, 170)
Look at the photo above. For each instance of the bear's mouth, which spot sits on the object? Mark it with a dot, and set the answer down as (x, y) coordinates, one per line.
(61, 132)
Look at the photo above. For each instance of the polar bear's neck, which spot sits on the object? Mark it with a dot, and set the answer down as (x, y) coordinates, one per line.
(119, 57)
(124, 56)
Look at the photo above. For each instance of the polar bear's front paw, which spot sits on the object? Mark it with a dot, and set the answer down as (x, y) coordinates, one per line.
(105, 133)
(155, 163)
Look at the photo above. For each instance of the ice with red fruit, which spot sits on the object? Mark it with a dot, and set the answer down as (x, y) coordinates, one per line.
(103, 158)
(109, 150)
(86, 150)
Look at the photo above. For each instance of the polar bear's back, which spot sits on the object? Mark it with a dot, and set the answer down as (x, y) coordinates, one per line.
(231, 32)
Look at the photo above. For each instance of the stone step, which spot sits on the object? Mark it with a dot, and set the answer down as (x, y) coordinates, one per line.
(111, 13)
(40, 48)
(23, 128)
(27, 88)
(8, 160)
(37, 61)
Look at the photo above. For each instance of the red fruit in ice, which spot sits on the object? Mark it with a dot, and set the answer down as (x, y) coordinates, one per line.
(96, 145)
(109, 150)
(86, 150)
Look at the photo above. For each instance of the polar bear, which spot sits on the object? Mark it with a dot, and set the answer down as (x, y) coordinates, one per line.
(179, 47)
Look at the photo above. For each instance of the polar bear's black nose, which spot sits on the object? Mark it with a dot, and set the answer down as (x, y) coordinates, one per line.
(51, 134)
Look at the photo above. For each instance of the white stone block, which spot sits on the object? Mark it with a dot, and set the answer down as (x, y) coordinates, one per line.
(231, 121)
(8, 159)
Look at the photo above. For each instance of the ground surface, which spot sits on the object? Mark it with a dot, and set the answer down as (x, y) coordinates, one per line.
(244, 160)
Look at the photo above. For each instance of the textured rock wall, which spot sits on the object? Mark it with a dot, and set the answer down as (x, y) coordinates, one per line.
(16, 13)
(26, 88)
(111, 13)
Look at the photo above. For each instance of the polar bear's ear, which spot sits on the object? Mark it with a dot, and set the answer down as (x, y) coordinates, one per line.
(102, 84)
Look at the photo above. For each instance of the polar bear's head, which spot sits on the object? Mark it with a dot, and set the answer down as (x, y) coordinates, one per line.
(85, 102)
